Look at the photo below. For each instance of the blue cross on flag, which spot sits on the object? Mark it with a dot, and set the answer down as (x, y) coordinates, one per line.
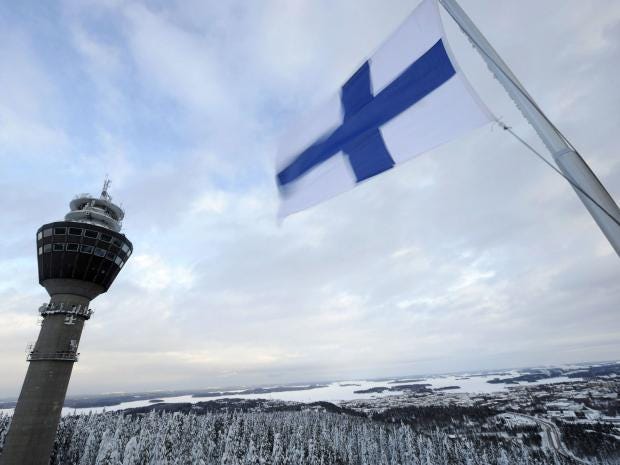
(408, 98)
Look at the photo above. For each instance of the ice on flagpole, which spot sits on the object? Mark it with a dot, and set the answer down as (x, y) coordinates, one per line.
(408, 98)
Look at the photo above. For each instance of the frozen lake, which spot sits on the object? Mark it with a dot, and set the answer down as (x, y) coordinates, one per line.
(340, 391)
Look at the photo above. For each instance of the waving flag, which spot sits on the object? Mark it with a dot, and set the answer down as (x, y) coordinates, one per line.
(406, 99)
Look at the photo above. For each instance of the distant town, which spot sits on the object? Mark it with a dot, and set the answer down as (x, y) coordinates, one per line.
(569, 414)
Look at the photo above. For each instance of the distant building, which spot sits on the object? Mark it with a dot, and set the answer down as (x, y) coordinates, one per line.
(564, 406)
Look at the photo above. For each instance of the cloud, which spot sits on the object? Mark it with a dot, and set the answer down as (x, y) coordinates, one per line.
(152, 273)
(474, 255)
(167, 56)
(26, 100)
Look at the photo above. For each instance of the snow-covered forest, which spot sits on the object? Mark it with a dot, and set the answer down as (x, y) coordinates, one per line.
(253, 438)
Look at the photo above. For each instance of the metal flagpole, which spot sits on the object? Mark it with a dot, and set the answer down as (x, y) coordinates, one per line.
(597, 200)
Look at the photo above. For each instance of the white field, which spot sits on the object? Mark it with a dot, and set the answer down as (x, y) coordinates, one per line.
(337, 392)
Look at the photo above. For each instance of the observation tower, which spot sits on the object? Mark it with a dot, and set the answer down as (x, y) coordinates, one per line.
(78, 259)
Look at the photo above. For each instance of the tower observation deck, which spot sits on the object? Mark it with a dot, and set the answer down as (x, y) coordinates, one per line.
(78, 259)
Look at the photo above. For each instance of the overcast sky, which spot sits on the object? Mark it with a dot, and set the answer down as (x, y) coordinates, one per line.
(472, 256)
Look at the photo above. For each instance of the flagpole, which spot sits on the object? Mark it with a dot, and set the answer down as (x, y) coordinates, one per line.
(590, 190)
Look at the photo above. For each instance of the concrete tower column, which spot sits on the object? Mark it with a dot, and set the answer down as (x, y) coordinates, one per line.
(33, 427)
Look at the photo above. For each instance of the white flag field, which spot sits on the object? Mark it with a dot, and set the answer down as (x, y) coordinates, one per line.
(408, 98)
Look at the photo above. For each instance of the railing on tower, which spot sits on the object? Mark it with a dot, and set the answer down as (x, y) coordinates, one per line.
(70, 355)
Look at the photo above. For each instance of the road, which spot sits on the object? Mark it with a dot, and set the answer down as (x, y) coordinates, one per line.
(554, 437)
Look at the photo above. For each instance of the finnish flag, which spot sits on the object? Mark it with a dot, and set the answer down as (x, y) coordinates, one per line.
(409, 97)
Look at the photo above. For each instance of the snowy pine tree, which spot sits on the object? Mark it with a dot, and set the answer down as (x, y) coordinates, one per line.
(276, 438)
(131, 455)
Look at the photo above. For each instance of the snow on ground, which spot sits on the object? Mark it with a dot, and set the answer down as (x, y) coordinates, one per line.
(517, 420)
(339, 391)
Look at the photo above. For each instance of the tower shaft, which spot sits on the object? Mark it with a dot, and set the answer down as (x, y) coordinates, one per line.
(35, 421)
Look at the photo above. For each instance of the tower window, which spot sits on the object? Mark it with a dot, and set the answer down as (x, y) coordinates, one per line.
(91, 234)
(118, 261)
(86, 248)
(47, 232)
(72, 247)
(125, 248)
(116, 242)
(75, 231)
(106, 238)
(59, 247)
(39, 235)
(109, 256)
(60, 231)
(40, 250)
(99, 252)
(47, 248)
